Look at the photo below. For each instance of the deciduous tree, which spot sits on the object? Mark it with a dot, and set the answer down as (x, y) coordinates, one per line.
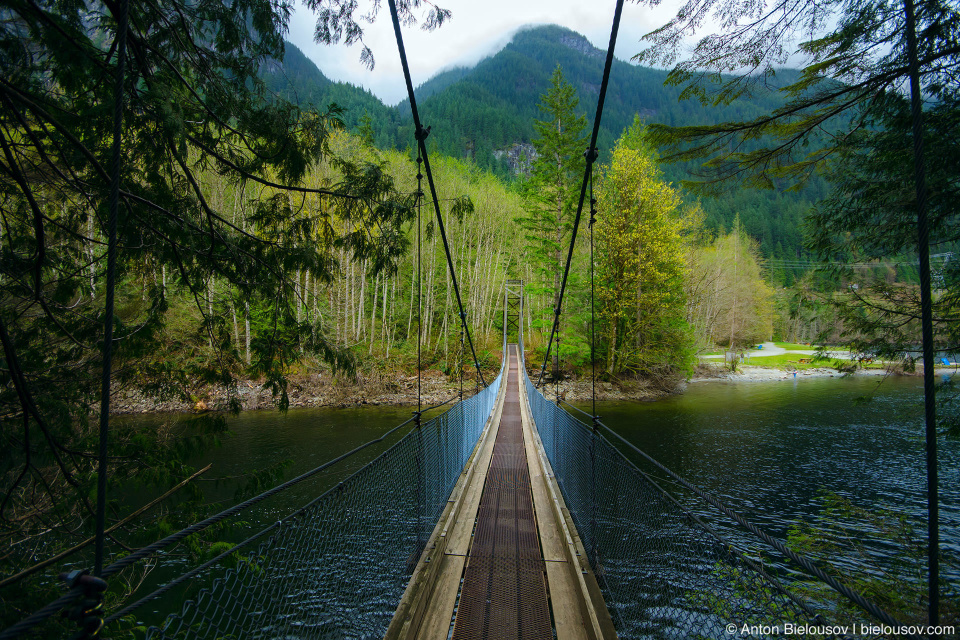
(640, 265)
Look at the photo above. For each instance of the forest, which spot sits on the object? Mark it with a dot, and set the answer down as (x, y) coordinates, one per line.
(485, 113)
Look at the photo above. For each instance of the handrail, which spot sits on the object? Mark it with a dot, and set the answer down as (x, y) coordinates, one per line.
(802, 561)
(70, 596)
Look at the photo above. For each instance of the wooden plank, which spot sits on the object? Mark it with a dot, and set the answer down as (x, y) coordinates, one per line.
(567, 609)
(431, 593)
(435, 624)
(573, 588)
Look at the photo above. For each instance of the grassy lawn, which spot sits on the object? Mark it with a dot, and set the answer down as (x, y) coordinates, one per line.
(785, 361)
(792, 361)
(793, 346)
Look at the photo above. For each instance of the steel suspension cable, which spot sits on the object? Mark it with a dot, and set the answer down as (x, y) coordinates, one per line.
(593, 309)
(421, 135)
(591, 157)
(419, 288)
(802, 561)
(727, 544)
(69, 598)
(926, 321)
(260, 534)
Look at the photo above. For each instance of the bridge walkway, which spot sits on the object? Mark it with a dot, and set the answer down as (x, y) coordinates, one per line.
(504, 561)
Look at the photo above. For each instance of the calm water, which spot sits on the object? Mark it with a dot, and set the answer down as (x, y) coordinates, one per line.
(768, 448)
(257, 440)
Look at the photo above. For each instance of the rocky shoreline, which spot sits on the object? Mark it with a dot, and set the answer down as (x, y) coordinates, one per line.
(748, 373)
(381, 389)
(371, 389)
(314, 390)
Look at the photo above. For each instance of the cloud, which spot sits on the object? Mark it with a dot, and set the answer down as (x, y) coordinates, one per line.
(476, 30)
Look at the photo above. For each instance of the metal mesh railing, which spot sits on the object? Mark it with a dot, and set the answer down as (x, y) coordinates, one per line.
(338, 567)
(664, 572)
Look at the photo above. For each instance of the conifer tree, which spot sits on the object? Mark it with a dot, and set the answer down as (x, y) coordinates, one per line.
(215, 206)
(552, 189)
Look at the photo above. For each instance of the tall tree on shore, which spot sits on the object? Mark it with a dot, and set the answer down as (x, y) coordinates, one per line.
(194, 105)
(641, 265)
(550, 194)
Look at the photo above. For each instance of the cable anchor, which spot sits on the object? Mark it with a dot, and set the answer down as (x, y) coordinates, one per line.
(88, 611)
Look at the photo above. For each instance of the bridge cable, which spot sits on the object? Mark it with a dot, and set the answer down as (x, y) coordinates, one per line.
(113, 201)
(591, 157)
(421, 135)
(260, 534)
(69, 598)
(728, 545)
(593, 381)
(419, 288)
(593, 310)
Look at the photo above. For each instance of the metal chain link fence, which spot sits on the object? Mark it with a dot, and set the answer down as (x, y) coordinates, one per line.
(338, 568)
(664, 572)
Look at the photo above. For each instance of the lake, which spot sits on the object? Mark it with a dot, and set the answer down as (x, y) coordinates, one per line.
(768, 449)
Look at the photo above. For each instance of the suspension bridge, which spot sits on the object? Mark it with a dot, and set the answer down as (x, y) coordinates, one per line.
(504, 517)
(507, 516)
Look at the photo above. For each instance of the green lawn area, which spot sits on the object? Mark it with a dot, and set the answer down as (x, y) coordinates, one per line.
(792, 361)
(785, 361)
(793, 346)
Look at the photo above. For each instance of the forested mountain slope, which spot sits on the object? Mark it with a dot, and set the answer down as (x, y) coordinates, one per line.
(475, 112)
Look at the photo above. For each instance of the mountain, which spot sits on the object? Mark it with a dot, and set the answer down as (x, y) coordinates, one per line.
(479, 112)
(299, 80)
(473, 111)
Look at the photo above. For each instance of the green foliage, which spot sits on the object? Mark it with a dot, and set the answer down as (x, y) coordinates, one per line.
(550, 195)
(856, 69)
(493, 105)
(872, 214)
(640, 265)
(847, 70)
(214, 208)
(479, 113)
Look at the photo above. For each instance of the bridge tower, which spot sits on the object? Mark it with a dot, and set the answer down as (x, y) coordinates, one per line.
(513, 312)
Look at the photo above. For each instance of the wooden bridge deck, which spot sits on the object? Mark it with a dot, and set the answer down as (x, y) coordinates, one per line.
(504, 561)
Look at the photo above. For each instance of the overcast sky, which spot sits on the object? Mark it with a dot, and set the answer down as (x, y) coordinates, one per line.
(477, 29)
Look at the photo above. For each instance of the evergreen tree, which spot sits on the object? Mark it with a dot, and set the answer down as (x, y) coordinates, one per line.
(216, 212)
(871, 216)
(550, 195)
(856, 54)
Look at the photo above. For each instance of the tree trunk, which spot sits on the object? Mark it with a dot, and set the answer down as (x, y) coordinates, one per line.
(246, 322)
(236, 330)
